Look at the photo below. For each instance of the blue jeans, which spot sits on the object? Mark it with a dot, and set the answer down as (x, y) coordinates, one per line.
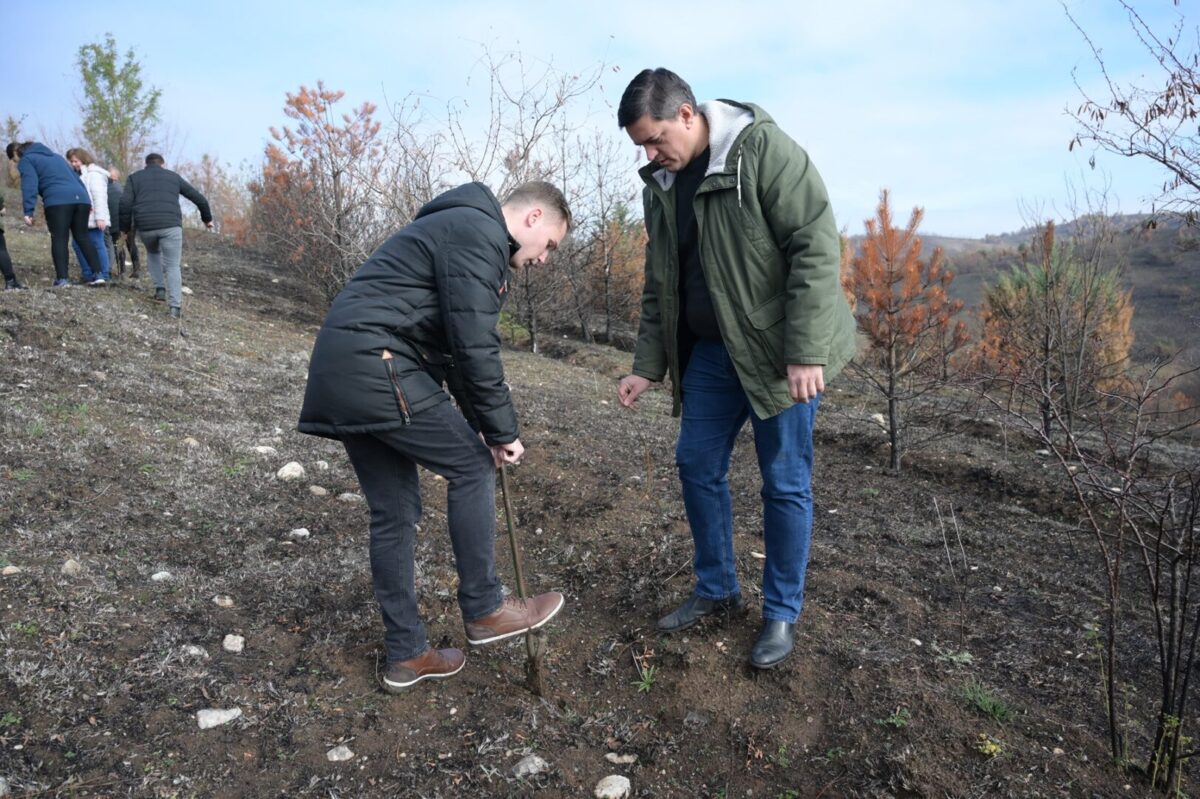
(90, 273)
(714, 409)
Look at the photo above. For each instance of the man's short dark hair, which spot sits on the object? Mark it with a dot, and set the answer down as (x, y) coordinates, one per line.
(657, 92)
(154, 159)
(543, 194)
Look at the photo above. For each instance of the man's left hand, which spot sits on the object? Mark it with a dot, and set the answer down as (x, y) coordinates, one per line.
(805, 381)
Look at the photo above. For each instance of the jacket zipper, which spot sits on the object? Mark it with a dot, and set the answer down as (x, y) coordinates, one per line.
(401, 400)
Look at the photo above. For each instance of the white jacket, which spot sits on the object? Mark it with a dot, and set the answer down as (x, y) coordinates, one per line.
(95, 178)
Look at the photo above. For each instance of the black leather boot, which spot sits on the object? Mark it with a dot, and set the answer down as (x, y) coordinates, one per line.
(695, 609)
(774, 644)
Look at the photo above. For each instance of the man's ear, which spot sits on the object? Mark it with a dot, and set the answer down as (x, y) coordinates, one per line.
(532, 216)
(687, 114)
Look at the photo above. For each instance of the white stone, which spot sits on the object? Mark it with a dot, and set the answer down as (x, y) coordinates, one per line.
(529, 766)
(322, 466)
(290, 471)
(191, 650)
(191, 442)
(269, 451)
(1043, 452)
(213, 717)
(11, 570)
(299, 533)
(339, 753)
(160, 577)
(233, 643)
(878, 419)
(72, 568)
(350, 497)
(3, 787)
(621, 760)
(223, 601)
(318, 491)
(186, 291)
(613, 786)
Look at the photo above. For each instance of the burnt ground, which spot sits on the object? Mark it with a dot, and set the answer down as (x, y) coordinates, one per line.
(128, 448)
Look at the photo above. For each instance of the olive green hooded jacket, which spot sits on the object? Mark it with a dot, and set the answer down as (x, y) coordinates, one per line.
(770, 253)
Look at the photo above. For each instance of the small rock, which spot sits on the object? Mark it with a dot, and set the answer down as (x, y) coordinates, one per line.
(915, 641)
(1045, 453)
(613, 786)
(269, 451)
(223, 601)
(11, 570)
(191, 442)
(317, 491)
(621, 760)
(530, 765)
(695, 719)
(290, 471)
(298, 534)
(191, 650)
(99, 376)
(339, 753)
(161, 577)
(878, 419)
(3, 787)
(233, 643)
(278, 432)
(213, 717)
(72, 568)
(350, 497)
(143, 317)
(1058, 752)
(186, 291)
(322, 466)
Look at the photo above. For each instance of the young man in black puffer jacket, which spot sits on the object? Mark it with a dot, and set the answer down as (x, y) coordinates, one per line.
(422, 311)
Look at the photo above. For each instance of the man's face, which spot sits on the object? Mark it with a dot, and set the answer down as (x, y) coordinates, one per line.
(670, 143)
(538, 235)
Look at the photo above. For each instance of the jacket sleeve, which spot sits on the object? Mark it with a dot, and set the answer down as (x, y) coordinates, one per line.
(650, 354)
(798, 212)
(198, 199)
(126, 208)
(29, 186)
(469, 278)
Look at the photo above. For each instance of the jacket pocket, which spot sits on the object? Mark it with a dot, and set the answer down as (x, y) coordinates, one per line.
(768, 313)
(401, 400)
(767, 320)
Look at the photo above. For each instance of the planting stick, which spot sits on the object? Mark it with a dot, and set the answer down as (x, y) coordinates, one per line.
(535, 640)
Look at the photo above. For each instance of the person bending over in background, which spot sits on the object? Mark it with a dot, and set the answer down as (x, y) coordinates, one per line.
(95, 180)
(742, 307)
(65, 202)
(420, 312)
(150, 203)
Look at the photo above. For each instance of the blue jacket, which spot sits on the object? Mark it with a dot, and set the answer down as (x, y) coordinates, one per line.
(47, 173)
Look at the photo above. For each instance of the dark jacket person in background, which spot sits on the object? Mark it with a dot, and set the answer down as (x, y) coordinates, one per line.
(6, 266)
(150, 203)
(65, 202)
(422, 311)
(118, 242)
(743, 309)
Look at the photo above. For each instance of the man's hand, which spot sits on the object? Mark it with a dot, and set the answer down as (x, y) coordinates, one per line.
(631, 388)
(208, 225)
(101, 224)
(29, 221)
(507, 453)
(805, 381)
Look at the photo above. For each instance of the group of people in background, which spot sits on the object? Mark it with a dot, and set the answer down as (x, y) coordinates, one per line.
(84, 203)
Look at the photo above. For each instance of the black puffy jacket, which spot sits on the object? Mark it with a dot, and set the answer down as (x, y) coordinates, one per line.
(422, 309)
(151, 200)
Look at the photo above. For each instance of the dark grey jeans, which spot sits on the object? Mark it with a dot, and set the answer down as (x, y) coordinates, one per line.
(440, 440)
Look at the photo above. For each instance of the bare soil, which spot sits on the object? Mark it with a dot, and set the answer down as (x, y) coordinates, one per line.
(128, 448)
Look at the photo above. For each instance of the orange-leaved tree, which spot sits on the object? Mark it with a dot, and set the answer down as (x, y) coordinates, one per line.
(907, 319)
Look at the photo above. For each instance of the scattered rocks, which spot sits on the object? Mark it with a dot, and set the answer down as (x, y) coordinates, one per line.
(268, 451)
(339, 753)
(290, 471)
(529, 766)
(191, 442)
(193, 651)
(223, 601)
(613, 786)
(161, 577)
(72, 568)
(350, 496)
(215, 717)
(299, 534)
(317, 491)
(621, 760)
(9, 570)
(233, 643)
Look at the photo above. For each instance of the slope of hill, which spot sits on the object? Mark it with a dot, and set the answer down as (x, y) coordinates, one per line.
(134, 451)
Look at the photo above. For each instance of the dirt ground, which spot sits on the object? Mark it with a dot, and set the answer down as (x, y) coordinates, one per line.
(129, 449)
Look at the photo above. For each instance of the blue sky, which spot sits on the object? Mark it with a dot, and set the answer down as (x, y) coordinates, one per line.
(955, 106)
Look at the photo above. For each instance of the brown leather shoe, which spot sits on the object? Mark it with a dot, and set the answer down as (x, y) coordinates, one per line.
(432, 664)
(514, 617)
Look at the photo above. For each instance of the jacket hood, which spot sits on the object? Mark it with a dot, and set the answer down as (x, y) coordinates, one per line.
(726, 121)
(469, 195)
